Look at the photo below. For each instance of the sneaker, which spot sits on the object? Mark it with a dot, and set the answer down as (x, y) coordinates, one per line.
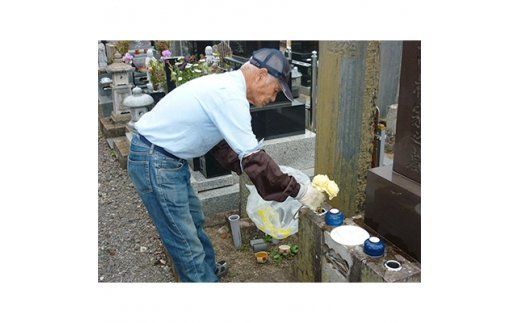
(222, 268)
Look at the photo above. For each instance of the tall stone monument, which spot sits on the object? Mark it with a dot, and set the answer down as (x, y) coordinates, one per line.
(348, 81)
(393, 204)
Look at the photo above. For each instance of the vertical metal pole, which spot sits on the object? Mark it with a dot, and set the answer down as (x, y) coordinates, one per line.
(313, 88)
(289, 54)
(382, 139)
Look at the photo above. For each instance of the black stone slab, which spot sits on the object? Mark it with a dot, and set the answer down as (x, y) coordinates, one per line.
(393, 209)
(278, 120)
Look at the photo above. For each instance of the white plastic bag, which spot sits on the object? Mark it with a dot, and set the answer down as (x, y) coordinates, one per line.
(275, 218)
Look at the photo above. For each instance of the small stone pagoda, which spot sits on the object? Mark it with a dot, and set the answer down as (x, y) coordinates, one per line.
(121, 88)
(114, 125)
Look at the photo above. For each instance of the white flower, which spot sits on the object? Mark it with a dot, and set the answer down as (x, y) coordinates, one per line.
(188, 65)
(197, 70)
(178, 63)
(195, 64)
(179, 79)
(323, 184)
(202, 61)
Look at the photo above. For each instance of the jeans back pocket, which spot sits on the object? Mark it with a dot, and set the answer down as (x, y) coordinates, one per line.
(139, 173)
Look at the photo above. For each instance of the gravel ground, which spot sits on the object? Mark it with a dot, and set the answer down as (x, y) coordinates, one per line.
(129, 249)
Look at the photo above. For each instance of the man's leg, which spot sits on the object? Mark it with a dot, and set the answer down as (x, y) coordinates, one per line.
(168, 211)
(180, 234)
(198, 219)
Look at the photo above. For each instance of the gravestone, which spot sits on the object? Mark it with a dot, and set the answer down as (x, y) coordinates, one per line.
(139, 49)
(111, 51)
(393, 206)
(346, 102)
(391, 52)
(102, 57)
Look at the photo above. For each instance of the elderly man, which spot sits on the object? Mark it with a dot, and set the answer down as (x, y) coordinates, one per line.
(210, 113)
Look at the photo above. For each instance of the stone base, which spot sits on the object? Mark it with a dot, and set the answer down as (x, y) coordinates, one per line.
(321, 259)
(200, 183)
(111, 129)
(350, 264)
(219, 200)
(121, 148)
(121, 117)
(104, 107)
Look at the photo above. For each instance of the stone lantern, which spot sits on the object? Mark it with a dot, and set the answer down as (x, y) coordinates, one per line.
(138, 104)
(120, 88)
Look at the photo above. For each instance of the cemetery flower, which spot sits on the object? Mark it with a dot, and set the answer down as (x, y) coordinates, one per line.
(323, 184)
(128, 58)
(332, 189)
(166, 54)
(185, 70)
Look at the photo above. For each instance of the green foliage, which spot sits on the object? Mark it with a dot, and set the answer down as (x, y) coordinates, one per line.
(275, 256)
(161, 45)
(184, 71)
(157, 74)
(122, 46)
(268, 238)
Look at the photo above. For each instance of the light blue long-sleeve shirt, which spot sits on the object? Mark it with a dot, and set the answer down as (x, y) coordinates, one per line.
(197, 115)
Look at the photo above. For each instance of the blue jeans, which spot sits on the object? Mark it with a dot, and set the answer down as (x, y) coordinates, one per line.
(163, 184)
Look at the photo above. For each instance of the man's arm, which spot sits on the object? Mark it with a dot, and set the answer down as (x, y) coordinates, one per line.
(271, 183)
(226, 157)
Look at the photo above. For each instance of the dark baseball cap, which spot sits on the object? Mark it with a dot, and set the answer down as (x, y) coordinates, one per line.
(276, 64)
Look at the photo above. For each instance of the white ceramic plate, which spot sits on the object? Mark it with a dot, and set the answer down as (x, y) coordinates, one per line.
(349, 235)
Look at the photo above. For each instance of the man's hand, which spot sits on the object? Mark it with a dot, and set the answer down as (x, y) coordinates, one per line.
(312, 198)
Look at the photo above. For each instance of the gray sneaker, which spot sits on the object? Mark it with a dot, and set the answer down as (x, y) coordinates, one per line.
(222, 268)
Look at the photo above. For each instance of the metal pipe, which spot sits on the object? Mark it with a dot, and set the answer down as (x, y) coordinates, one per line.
(382, 139)
(314, 88)
(234, 223)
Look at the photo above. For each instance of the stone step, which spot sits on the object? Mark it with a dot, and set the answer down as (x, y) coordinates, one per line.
(121, 148)
(111, 129)
(200, 183)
